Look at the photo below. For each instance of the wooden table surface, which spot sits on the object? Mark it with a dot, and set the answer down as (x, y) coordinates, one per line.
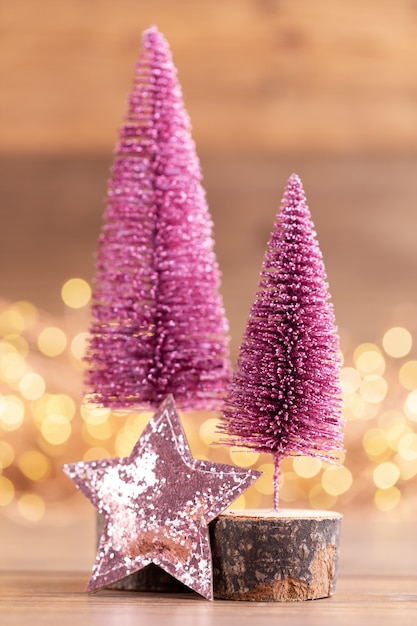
(44, 571)
(56, 598)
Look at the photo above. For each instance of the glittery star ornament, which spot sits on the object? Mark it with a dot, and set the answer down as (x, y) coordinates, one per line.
(158, 322)
(285, 397)
(157, 504)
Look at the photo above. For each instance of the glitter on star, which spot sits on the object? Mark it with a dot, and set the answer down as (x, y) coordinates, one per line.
(157, 504)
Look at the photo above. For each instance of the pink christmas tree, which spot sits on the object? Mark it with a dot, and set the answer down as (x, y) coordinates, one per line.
(158, 320)
(285, 397)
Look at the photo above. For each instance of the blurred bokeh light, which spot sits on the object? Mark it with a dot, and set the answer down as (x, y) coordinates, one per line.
(43, 422)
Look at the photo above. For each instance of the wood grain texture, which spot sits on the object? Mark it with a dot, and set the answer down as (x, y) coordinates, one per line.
(257, 75)
(44, 599)
(363, 209)
(377, 582)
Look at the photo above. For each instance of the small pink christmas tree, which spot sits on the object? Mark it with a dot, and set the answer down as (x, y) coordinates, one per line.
(285, 397)
(158, 320)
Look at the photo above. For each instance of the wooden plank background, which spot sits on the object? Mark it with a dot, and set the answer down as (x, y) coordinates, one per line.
(269, 76)
(325, 88)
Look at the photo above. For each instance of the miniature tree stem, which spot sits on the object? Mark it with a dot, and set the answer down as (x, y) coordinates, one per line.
(276, 479)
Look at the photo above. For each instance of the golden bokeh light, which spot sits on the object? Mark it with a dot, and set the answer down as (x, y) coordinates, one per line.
(94, 414)
(407, 447)
(7, 454)
(208, 431)
(385, 475)
(239, 504)
(12, 412)
(264, 484)
(32, 386)
(56, 429)
(12, 366)
(306, 466)
(243, 458)
(356, 408)
(321, 499)
(391, 418)
(11, 321)
(394, 435)
(15, 343)
(60, 403)
(79, 345)
(125, 442)
(291, 488)
(52, 341)
(34, 465)
(369, 359)
(375, 443)
(387, 499)
(27, 312)
(373, 388)
(17, 318)
(97, 452)
(410, 406)
(6, 491)
(350, 380)
(408, 468)
(38, 409)
(76, 293)
(397, 342)
(408, 375)
(336, 480)
(31, 507)
(100, 432)
(43, 422)
(137, 422)
(394, 425)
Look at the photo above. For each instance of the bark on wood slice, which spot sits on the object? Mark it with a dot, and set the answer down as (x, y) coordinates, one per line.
(262, 556)
(275, 556)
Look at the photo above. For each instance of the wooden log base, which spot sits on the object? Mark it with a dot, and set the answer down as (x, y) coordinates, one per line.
(262, 556)
(269, 556)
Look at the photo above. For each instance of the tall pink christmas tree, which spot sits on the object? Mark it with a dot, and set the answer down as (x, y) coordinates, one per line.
(285, 397)
(158, 320)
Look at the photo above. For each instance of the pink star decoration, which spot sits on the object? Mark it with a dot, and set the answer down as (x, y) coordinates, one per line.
(157, 504)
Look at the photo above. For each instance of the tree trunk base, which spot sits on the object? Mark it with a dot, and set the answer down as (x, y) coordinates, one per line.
(269, 556)
(262, 556)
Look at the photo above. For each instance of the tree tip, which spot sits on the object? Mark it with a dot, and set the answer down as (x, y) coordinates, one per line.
(294, 179)
(151, 30)
(154, 40)
(152, 34)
